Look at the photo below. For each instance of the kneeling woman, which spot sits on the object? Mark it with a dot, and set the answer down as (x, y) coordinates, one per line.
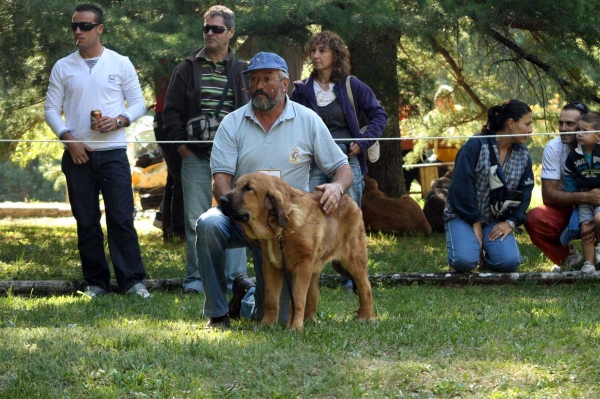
(475, 228)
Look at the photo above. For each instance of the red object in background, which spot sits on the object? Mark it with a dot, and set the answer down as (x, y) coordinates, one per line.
(161, 91)
(404, 112)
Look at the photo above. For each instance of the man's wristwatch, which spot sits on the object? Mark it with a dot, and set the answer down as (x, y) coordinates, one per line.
(511, 224)
(119, 123)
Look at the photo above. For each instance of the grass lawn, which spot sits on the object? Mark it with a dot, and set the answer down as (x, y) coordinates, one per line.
(518, 341)
(46, 249)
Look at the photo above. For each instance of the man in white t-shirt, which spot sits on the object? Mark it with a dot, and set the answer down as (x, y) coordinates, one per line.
(546, 222)
(95, 78)
(270, 134)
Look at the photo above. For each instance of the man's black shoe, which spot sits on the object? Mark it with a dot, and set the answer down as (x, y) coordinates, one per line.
(218, 322)
(241, 285)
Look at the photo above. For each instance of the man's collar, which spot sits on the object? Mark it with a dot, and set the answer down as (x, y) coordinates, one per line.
(204, 55)
(288, 110)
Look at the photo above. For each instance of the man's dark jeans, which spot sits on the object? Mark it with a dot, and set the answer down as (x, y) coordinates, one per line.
(109, 173)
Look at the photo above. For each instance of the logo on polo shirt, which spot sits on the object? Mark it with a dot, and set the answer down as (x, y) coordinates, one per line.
(111, 78)
(295, 155)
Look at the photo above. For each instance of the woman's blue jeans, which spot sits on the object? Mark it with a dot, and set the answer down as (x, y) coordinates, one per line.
(464, 251)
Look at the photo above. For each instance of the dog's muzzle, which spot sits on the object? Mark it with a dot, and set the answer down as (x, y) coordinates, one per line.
(230, 210)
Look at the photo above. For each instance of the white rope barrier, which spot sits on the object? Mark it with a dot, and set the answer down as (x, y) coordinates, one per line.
(426, 138)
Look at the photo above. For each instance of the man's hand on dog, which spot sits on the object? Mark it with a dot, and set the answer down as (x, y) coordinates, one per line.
(332, 192)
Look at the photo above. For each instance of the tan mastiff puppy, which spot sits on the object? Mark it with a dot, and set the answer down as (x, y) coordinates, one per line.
(269, 211)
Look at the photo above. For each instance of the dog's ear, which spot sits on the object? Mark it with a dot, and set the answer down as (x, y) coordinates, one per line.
(274, 203)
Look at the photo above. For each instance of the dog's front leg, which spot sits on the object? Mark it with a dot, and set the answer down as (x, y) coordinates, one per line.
(312, 298)
(301, 281)
(273, 283)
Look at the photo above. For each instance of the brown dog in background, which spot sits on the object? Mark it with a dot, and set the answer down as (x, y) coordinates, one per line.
(391, 215)
(269, 210)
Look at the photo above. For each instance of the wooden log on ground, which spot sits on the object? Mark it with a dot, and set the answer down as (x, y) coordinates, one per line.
(54, 287)
(31, 210)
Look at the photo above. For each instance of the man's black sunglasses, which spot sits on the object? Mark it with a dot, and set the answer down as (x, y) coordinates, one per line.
(83, 26)
(216, 29)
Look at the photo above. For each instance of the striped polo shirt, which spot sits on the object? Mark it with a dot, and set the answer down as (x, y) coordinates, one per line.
(214, 80)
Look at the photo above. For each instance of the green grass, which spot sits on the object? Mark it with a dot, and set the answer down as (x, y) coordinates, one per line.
(518, 341)
(46, 249)
(429, 342)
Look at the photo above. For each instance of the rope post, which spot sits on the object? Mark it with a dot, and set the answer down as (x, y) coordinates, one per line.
(426, 176)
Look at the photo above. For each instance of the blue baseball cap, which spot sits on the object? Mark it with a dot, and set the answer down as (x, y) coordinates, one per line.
(266, 61)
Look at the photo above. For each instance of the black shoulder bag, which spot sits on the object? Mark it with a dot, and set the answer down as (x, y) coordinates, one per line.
(502, 199)
(204, 126)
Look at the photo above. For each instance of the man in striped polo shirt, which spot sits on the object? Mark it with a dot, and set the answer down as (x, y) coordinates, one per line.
(198, 86)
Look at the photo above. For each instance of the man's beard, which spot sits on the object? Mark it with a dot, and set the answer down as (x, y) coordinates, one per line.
(568, 138)
(264, 103)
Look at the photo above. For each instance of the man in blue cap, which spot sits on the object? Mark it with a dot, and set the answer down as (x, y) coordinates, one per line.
(274, 135)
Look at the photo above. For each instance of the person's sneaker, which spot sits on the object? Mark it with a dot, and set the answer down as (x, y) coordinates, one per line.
(157, 220)
(218, 322)
(588, 268)
(94, 291)
(190, 291)
(348, 285)
(555, 269)
(241, 284)
(572, 259)
(140, 290)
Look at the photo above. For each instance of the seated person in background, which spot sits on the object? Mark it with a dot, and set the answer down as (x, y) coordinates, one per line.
(546, 222)
(470, 225)
(443, 117)
(582, 173)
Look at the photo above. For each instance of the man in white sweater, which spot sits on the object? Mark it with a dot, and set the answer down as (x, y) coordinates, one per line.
(95, 160)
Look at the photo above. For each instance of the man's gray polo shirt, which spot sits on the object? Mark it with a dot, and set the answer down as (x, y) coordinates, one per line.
(299, 135)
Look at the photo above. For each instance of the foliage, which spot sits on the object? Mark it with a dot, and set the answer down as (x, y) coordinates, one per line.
(488, 51)
(27, 183)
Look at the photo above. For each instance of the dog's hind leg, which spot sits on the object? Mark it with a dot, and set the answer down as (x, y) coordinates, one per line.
(312, 298)
(356, 264)
(365, 299)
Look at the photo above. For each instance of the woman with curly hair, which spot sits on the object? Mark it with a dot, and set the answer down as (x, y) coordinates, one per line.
(325, 93)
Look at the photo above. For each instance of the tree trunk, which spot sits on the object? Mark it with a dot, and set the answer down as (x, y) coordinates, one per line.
(375, 65)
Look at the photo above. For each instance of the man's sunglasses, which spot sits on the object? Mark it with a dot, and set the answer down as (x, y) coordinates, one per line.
(579, 106)
(216, 29)
(83, 26)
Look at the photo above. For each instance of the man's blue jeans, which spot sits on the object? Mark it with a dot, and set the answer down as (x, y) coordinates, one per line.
(109, 173)
(221, 233)
(464, 251)
(196, 180)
